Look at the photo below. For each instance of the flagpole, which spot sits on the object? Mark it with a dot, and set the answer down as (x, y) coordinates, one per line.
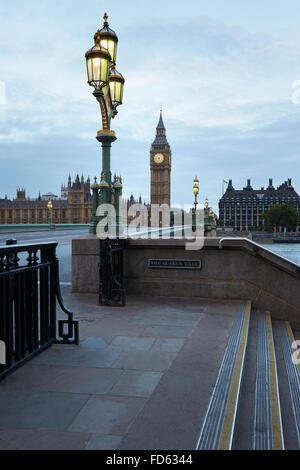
(223, 186)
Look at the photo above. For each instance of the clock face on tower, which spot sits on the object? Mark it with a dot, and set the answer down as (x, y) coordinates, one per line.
(159, 158)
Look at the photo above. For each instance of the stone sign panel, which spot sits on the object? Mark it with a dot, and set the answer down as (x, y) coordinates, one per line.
(174, 264)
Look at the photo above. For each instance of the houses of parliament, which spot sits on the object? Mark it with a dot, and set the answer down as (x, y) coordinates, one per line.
(74, 205)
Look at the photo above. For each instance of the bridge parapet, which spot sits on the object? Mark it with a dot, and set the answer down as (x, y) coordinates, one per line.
(232, 268)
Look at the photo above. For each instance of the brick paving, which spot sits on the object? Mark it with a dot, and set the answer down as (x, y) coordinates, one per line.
(141, 378)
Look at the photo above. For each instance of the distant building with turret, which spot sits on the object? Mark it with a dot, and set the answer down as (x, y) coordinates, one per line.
(74, 206)
(243, 209)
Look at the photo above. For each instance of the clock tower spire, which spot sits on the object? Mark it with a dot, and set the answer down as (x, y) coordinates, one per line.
(160, 166)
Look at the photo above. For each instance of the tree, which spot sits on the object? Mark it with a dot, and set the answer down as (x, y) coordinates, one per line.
(283, 215)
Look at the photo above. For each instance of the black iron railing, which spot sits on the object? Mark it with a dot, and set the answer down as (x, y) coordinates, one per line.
(111, 290)
(29, 291)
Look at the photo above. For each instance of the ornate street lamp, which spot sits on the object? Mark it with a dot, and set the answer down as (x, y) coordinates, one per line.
(98, 64)
(109, 88)
(196, 192)
(50, 208)
(116, 83)
(109, 40)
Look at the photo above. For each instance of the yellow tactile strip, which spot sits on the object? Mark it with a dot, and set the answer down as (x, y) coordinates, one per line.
(225, 442)
(277, 432)
(292, 339)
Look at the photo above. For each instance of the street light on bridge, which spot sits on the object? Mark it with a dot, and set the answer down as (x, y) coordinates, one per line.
(50, 208)
(196, 192)
(109, 87)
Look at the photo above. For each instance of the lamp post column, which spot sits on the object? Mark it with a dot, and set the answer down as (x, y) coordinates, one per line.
(95, 189)
(194, 220)
(118, 194)
(194, 211)
(106, 138)
(50, 207)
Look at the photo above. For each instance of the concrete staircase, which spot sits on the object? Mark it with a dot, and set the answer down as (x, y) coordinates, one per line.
(255, 404)
(232, 386)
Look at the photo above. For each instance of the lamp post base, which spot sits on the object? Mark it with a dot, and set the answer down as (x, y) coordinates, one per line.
(93, 227)
(106, 137)
(114, 230)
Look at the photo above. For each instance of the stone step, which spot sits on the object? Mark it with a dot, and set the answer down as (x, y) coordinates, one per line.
(243, 434)
(289, 383)
(219, 423)
(267, 431)
(268, 411)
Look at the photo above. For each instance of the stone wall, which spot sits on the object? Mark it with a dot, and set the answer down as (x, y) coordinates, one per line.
(241, 269)
(85, 264)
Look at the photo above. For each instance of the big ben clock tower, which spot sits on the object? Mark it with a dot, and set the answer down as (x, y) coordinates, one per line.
(160, 165)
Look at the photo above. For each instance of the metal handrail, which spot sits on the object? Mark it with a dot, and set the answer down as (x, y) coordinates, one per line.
(257, 248)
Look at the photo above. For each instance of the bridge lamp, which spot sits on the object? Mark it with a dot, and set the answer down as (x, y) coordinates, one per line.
(196, 192)
(50, 207)
(109, 41)
(116, 83)
(98, 61)
(109, 87)
(196, 188)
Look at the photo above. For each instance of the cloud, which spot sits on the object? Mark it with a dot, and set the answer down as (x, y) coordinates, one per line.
(2, 93)
(17, 136)
(226, 93)
(205, 74)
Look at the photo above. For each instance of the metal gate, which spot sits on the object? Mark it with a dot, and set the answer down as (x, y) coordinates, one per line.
(111, 290)
(29, 289)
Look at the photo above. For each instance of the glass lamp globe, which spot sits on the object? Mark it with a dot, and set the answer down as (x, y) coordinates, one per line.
(98, 63)
(116, 83)
(109, 40)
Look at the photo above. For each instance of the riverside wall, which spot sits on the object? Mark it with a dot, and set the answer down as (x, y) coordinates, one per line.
(234, 269)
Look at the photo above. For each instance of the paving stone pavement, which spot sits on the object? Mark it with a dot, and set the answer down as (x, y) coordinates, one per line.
(156, 358)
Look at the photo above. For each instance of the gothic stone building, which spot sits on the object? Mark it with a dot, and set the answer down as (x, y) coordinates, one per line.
(73, 207)
(243, 209)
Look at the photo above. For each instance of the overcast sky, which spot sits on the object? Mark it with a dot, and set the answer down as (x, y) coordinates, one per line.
(226, 72)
